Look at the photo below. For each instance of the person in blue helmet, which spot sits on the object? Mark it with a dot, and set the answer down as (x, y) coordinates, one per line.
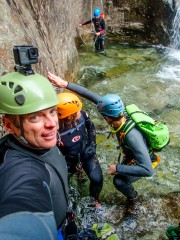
(99, 30)
(134, 147)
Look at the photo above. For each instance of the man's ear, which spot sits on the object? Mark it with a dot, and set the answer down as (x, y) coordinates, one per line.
(8, 125)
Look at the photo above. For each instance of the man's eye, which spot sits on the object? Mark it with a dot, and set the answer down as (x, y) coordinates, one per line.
(53, 111)
(33, 118)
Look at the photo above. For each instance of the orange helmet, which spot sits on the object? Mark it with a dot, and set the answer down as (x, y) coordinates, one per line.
(69, 104)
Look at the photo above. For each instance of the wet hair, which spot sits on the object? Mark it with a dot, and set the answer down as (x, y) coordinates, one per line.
(68, 122)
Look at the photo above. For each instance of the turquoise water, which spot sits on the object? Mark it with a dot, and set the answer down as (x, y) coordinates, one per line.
(149, 77)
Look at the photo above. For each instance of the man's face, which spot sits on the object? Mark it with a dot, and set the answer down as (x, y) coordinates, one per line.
(112, 122)
(40, 128)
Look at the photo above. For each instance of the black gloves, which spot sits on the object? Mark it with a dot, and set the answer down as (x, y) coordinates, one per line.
(90, 149)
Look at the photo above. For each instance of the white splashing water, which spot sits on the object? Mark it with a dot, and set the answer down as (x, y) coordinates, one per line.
(171, 71)
(176, 30)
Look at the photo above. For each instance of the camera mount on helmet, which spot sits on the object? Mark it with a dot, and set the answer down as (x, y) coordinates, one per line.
(24, 56)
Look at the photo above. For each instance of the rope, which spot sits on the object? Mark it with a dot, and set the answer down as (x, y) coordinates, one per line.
(80, 35)
(102, 7)
(92, 25)
(85, 30)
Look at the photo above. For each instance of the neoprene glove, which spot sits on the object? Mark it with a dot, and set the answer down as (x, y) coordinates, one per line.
(90, 149)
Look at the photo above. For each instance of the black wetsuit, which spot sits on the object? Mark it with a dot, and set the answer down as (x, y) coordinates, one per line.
(135, 147)
(28, 184)
(99, 26)
(74, 145)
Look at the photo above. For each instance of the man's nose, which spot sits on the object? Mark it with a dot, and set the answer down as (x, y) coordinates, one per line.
(51, 121)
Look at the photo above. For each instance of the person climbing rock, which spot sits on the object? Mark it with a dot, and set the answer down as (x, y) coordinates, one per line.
(77, 142)
(99, 30)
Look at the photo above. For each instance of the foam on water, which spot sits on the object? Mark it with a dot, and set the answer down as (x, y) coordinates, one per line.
(171, 70)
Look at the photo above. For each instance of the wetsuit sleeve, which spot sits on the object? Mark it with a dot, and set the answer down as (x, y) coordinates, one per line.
(84, 92)
(87, 22)
(91, 131)
(143, 166)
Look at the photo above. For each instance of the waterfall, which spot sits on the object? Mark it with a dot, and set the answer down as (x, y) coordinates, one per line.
(176, 30)
(171, 68)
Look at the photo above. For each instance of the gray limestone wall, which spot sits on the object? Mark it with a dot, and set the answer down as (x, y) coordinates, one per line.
(51, 25)
(146, 21)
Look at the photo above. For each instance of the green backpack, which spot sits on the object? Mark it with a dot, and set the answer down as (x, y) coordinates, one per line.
(105, 231)
(157, 133)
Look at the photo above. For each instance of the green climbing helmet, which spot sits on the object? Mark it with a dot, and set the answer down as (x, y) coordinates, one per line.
(20, 94)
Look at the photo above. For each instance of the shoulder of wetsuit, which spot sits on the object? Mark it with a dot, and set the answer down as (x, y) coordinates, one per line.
(84, 114)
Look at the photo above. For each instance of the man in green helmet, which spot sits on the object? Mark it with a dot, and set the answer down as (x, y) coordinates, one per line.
(33, 172)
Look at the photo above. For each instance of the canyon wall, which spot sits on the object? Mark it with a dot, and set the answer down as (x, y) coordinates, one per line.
(52, 26)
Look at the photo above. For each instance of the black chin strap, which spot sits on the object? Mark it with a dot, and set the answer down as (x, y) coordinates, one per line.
(22, 137)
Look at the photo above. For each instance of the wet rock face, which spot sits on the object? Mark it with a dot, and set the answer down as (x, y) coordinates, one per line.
(136, 21)
(52, 27)
(49, 25)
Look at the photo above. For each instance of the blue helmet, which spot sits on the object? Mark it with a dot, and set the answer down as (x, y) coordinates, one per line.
(110, 105)
(97, 12)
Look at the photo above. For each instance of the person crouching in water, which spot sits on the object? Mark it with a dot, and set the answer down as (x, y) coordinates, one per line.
(77, 142)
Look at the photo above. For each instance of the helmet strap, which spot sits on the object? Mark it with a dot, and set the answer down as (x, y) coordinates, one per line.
(22, 137)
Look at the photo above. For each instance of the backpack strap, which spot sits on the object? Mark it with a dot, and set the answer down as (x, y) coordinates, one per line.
(129, 124)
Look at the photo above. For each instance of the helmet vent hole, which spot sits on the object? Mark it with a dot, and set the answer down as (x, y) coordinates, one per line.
(18, 89)
(20, 99)
(3, 83)
(11, 84)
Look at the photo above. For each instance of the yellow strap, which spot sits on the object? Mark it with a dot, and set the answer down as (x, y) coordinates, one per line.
(154, 164)
(113, 130)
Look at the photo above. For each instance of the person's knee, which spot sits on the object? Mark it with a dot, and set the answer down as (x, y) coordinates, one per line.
(118, 183)
(96, 179)
(96, 176)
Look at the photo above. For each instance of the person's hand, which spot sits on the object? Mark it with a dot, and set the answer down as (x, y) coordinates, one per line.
(98, 34)
(80, 25)
(112, 169)
(90, 149)
(57, 81)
